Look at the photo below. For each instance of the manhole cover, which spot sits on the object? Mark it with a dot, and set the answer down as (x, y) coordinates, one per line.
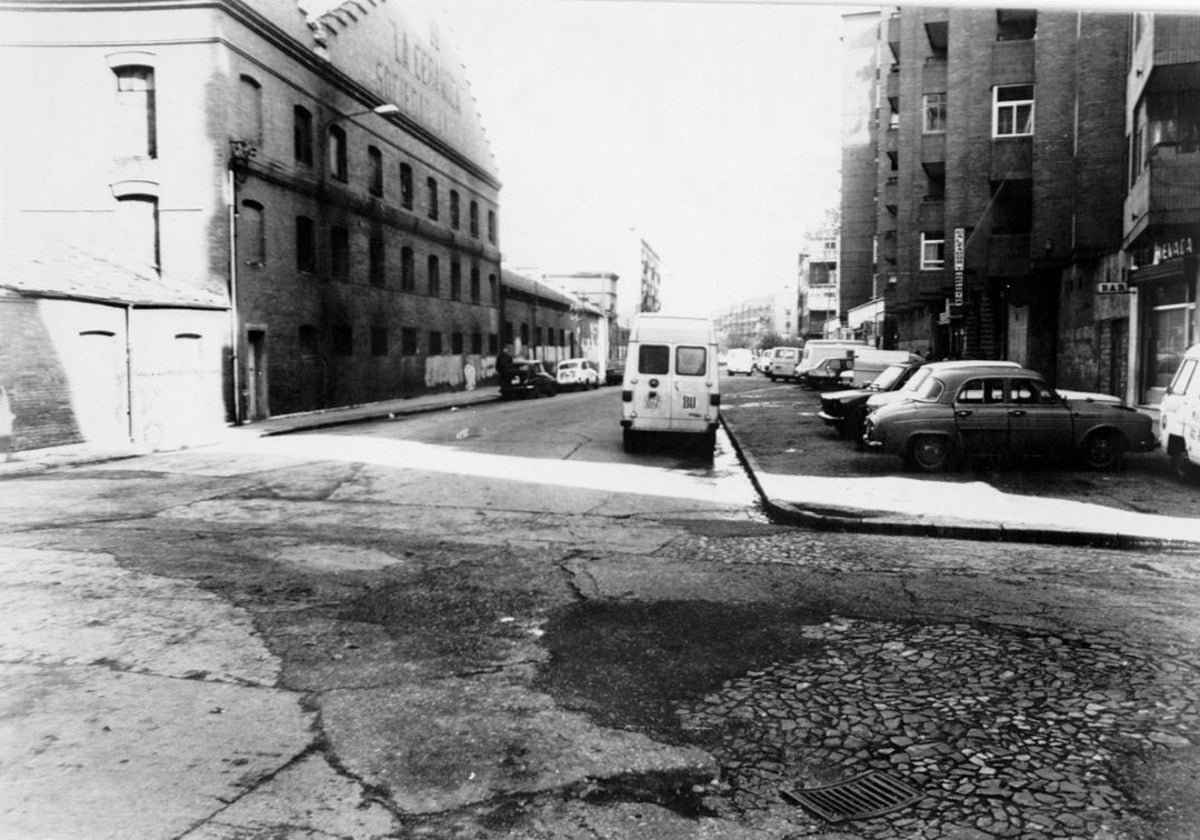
(871, 794)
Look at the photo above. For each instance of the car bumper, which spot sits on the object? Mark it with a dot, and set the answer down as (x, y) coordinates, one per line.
(831, 420)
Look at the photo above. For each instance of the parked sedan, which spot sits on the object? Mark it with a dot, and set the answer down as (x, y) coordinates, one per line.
(577, 373)
(846, 411)
(529, 378)
(978, 412)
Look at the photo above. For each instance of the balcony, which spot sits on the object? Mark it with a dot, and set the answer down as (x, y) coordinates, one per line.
(1174, 184)
(892, 88)
(893, 35)
(934, 285)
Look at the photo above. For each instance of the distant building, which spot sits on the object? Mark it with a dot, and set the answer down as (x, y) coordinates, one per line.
(818, 299)
(544, 322)
(324, 178)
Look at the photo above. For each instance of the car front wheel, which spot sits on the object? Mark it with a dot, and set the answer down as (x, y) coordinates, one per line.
(1103, 450)
(930, 453)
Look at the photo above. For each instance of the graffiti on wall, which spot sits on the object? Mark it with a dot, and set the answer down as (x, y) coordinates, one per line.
(458, 372)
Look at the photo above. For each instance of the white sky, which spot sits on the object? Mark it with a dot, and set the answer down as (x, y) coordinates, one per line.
(711, 128)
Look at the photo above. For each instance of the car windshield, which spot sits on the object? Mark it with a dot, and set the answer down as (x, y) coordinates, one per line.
(888, 378)
(929, 390)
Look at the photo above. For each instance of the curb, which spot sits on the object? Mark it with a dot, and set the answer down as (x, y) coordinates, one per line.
(852, 520)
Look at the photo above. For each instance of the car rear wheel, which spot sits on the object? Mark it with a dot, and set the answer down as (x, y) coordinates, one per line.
(1103, 450)
(930, 453)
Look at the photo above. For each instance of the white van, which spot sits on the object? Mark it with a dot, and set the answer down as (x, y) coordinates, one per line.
(671, 378)
(781, 362)
(869, 363)
(817, 350)
(1179, 417)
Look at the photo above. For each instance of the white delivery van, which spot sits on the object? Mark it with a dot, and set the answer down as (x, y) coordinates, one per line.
(817, 350)
(869, 363)
(671, 379)
(782, 361)
(1179, 417)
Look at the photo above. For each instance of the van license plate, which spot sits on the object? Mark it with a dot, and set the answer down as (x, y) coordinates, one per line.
(652, 401)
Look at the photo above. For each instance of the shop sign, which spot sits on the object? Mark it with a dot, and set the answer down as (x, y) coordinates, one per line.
(960, 263)
(1173, 249)
(1112, 287)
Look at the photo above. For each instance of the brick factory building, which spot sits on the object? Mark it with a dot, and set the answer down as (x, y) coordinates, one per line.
(323, 179)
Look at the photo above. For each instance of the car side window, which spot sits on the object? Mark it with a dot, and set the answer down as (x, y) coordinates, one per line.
(690, 361)
(981, 392)
(654, 359)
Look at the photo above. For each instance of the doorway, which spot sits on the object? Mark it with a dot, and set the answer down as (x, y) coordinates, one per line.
(257, 407)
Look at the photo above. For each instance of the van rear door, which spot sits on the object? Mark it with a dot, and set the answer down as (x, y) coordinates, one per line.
(690, 385)
(654, 393)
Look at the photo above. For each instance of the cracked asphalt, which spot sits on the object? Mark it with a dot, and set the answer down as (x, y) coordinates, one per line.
(279, 640)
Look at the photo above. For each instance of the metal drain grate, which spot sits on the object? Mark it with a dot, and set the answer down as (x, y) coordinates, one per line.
(871, 794)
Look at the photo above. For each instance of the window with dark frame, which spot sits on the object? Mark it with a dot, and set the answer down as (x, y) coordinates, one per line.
(249, 111)
(431, 196)
(308, 340)
(408, 341)
(306, 245)
(454, 209)
(475, 291)
(343, 340)
(252, 233)
(934, 113)
(375, 161)
(377, 271)
(455, 280)
(406, 186)
(477, 343)
(434, 275)
(379, 341)
(456, 343)
(337, 153)
(1016, 24)
(408, 281)
(435, 343)
(493, 344)
(933, 250)
(491, 226)
(474, 219)
(302, 135)
(339, 252)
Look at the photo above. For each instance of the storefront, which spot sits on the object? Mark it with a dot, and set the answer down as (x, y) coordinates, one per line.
(1166, 277)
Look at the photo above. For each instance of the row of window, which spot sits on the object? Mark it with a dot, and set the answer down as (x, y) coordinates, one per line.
(341, 342)
(338, 169)
(1012, 112)
(253, 249)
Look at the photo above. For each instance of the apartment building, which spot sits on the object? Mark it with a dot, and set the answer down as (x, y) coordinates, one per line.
(817, 289)
(324, 177)
(984, 177)
(1161, 219)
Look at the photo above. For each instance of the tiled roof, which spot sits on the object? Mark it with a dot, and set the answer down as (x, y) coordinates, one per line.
(36, 264)
(536, 287)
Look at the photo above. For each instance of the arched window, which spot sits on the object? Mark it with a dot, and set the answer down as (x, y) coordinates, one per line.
(249, 116)
(406, 186)
(337, 152)
(137, 230)
(136, 133)
(375, 159)
(302, 134)
(252, 234)
(435, 276)
(432, 195)
(407, 279)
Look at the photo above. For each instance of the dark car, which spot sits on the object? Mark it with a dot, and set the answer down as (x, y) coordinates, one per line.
(529, 378)
(828, 374)
(846, 411)
(1007, 415)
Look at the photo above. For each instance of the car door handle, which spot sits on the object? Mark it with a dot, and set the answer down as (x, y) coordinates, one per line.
(963, 413)
(1016, 413)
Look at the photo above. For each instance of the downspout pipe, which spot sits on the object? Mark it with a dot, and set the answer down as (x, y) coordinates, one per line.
(129, 427)
(234, 330)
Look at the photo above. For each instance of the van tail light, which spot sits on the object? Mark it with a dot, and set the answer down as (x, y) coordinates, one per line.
(714, 399)
(627, 396)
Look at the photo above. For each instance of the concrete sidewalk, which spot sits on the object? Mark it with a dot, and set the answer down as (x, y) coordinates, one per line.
(973, 510)
(34, 460)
